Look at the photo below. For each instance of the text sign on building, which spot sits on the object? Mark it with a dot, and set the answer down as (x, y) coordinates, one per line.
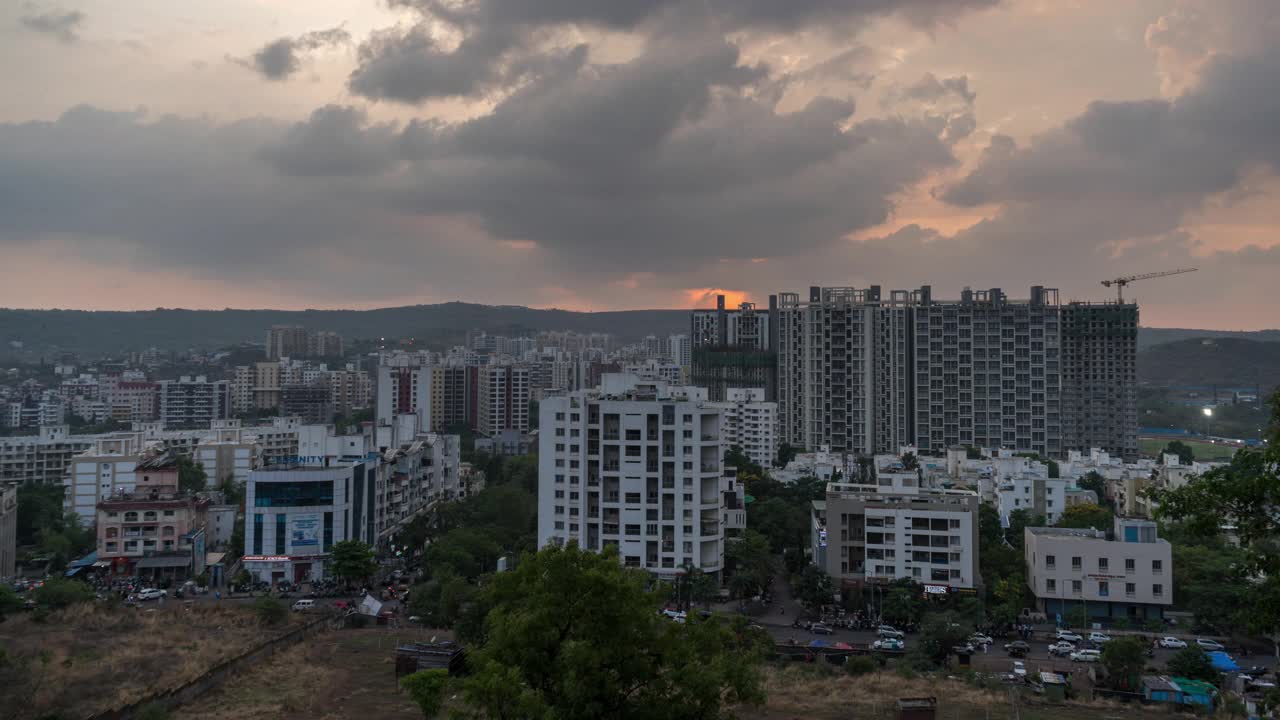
(935, 589)
(304, 530)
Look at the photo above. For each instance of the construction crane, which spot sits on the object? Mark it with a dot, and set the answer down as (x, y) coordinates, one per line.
(1120, 282)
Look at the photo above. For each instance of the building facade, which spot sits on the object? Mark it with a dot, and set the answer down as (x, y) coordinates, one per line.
(286, 341)
(1100, 378)
(504, 399)
(1129, 575)
(638, 465)
(194, 402)
(8, 529)
(750, 423)
(733, 348)
(153, 530)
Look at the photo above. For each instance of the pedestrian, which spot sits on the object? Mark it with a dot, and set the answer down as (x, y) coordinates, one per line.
(217, 594)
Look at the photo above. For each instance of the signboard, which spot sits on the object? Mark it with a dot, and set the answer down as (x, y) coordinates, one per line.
(294, 460)
(935, 589)
(822, 537)
(304, 530)
(266, 558)
(1102, 576)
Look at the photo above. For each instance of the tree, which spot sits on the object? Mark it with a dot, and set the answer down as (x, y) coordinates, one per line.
(1124, 658)
(39, 507)
(735, 457)
(466, 551)
(1186, 455)
(784, 523)
(939, 633)
(58, 593)
(427, 688)
(9, 602)
(786, 454)
(1094, 481)
(814, 587)
(1192, 663)
(700, 587)
(236, 545)
(1020, 520)
(242, 578)
(191, 475)
(752, 564)
(352, 560)
(440, 600)
(910, 462)
(1212, 582)
(575, 636)
(1087, 515)
(270, 610)
(904, 602)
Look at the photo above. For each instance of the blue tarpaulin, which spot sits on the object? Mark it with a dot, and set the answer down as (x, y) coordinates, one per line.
(1222, 662)
(76, 566)
(819, 643)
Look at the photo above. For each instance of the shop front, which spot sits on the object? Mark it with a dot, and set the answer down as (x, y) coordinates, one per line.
(275, 569)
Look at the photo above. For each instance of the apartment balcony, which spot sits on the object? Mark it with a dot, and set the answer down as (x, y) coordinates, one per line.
(709, 528)
(615, 435)
(610, 529)
(612, 497)
(611, 466)
(710, 468)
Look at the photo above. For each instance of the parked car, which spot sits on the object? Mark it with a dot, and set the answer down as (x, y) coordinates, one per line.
(1210, 645)
(887, 631)
(888, 644)
(1086, 656)
(966, 649)
(820, 629)
(1019, 670)
(980, 639)
(1062, 648)
(1255, 671)
(1097, 637)
(152, 594)
(1172, 643)
(1068, 636)
(1017, 648)
(304, 605)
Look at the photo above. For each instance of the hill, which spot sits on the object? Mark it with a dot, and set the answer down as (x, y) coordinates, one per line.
(101, 332)
(1223, 361)
(1150, 337)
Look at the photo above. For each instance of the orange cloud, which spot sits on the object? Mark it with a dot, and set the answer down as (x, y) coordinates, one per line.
(706, 297)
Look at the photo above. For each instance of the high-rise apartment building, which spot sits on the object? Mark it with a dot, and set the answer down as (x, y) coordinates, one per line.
(1099, 378)
(286, 341)
(194, 402)
(310, 401)
(750, 423)
(324, 343)
(862, 373)
(504, 395)
(680, 350)
(402, 390)
(733, 348)
(637, 464)
(350, 390)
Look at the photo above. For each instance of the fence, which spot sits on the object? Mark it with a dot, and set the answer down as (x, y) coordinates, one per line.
(218, 674)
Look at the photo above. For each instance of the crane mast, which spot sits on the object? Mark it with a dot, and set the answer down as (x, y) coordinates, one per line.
(1120, 282)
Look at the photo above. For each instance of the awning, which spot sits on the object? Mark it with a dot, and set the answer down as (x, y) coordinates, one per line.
(1222, 662)
(72, 571)
(85, 561)
(164, 562)
(818, 643)
(102, 564)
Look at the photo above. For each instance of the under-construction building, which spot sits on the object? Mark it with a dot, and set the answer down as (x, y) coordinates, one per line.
(863, 373)
(733, 348)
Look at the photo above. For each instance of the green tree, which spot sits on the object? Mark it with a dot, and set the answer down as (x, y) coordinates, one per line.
(573, 635)
(236, 545)
(1186, 455)
(58, 593)
(467, 552)
(752, 564)
(735, 457)
(39, 507)
(784, 522)
(814, 587)
(352, 561)
(903, 602)
(10, 603)
(270, 610)
(786, 454)
(910, 461)
(1094, 481)
(1192, 663)
(242, 578)
(1212, 582)
(700, 587)
(1087, 515)
(191, 475)
(1124, 658)
(938, 635)
(1020, 520)
(427, 688)
(440, 601)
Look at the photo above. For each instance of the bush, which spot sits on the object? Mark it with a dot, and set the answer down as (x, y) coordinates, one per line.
(427, 688)
(58, 593)
(859, 665)
(270, 610)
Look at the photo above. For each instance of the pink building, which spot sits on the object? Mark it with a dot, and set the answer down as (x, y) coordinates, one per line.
(154, 531)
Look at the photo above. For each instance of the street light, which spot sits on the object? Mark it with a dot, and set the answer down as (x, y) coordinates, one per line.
(1208, 418)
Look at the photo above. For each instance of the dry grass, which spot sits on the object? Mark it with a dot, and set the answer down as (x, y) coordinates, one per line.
(89, 658)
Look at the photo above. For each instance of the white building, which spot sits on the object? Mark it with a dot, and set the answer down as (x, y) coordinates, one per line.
(100, 472)
(877, 533)
(1130, 576)
(680, 350)
(637, 464)
(1033, 493)
(194, 402)
(42, 458)
(751, 424)
(503, 399)
(822, 464)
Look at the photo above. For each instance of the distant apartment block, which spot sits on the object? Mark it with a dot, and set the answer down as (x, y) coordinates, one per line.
(194, 402)
(750, 423)
(504, 395)
(733, 348)
(286, 341)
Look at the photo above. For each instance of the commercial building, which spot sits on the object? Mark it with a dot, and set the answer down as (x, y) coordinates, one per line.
(637, 464)
(734, 348)
(750, 423)
(194, 402)
(889, 528)
(1126, 575)
(861, 372)
(8, 529)
(152, 530)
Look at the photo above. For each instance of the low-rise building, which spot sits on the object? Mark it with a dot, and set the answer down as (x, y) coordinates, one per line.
(153, 530)
(1128, 574)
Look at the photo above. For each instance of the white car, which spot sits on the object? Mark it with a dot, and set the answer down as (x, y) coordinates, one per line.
(1173, 643)
(888, 644)
(1210, 645)
(1086, 656)
(1068, 636)
(1098, 637)
(1062, 648)
(1019, 670)
(152, 594)
(886, 631)
(980, 639)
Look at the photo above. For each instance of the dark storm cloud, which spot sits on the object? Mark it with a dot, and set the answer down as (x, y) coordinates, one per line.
(499, 44)
(61, 25)
(282, 57)
(333, 141)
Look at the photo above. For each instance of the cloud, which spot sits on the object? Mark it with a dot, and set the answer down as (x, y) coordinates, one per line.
(333, 141)
(930, 89)
(502, 43)
(61, 25)
(282, 57)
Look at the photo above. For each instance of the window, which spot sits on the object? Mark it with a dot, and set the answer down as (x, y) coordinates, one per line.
(632, 530)
(257, 533)
(1129, 565)
(131, 516)
(1130, 589)
(280, 533)
(1103, 564)
(328, 531)
(1050, 585)
(1157, 567)
(1157, 590)
(1076, 563)
(1076, 586)
(112, 532)
(111, 547)
(293, 494)
(1104, 588)
(1050, 562)
(167, 531)
(168, 513)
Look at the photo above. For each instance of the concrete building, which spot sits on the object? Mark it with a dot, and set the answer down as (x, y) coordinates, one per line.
(504, 396)
(194, 402)
(324, 343)
(750, 423)
(295, 512)
(43, 458)
(866, 533)
(403, 389)
(733, 348)
(286, 341)
(1100, 378)
(680, 350)
(231, 459)
(508, 442)
(1038, 495)
(637, 464)
(152, 530)
(350, 390)
(133, 401)
(1129, 576)
(311, 401)
(8, 529)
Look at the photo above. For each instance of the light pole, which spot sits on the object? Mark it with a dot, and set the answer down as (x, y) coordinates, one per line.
(1208, 418)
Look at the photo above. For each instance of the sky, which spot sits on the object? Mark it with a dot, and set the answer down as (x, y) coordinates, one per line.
(643, 154)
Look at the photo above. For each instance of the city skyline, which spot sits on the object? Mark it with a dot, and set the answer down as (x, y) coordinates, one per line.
(642, 155)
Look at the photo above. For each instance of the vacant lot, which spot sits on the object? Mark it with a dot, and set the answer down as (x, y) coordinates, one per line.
(90, 658)
(1203, 450)
(340, 674)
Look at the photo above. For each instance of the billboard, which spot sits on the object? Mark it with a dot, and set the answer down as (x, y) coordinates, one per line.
(304, 530)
